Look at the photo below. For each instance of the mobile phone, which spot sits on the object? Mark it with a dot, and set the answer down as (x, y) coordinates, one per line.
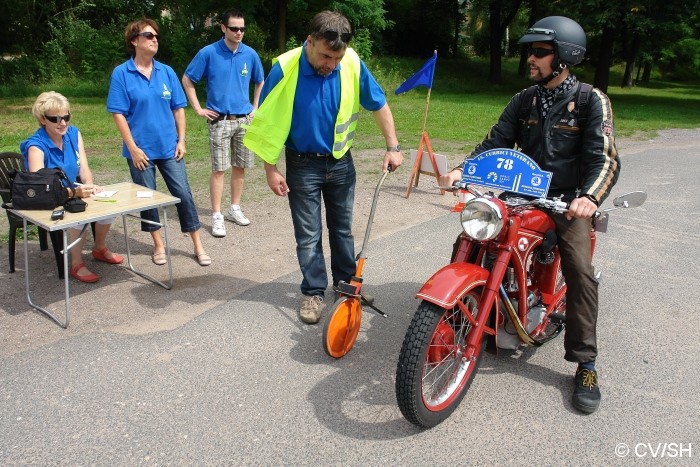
(57, 215)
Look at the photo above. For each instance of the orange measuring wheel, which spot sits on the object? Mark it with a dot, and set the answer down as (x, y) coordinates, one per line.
(343, 324)
(342, 327)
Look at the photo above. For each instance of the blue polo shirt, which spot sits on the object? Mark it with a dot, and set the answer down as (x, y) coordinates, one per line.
(67, 159)
(148, 106)
(228, 76)
(316, 104)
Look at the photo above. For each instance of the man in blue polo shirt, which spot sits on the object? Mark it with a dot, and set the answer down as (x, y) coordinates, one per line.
(309, 106)
(228, 66)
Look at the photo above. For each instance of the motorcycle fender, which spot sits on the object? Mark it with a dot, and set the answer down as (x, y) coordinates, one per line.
(450, 283)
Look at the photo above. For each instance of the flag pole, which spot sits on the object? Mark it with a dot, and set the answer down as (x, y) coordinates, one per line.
(425, 113)
(427, 103)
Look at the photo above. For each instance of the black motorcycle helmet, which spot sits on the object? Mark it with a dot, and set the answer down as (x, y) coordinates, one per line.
(565, 34)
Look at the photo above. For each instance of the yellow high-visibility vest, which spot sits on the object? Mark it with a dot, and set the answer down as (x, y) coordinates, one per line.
(272, 122)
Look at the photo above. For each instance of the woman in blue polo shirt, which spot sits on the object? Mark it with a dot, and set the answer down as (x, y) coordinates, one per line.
(57, 144)
(148, 105)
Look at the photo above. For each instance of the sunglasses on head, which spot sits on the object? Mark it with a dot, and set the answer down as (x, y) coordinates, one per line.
(331, 36)
(57, 118)
(148, 35)
(236, 28)
(539, 52)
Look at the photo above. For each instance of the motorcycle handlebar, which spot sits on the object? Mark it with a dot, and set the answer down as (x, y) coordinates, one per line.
(552, 204)
(558, 206)
(458, 186)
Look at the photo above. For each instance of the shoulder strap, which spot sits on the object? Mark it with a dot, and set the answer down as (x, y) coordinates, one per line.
(582, 97)
(56, 171)
(526, 102)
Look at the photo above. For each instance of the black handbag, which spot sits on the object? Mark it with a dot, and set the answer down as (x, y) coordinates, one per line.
(41, 190)
(75, 205)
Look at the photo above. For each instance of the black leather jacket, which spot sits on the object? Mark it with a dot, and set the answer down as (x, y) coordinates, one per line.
(584, 161)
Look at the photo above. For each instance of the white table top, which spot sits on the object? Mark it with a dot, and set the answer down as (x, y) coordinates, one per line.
(124, 201)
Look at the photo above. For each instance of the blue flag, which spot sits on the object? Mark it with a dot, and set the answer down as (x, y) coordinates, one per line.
(423, 77)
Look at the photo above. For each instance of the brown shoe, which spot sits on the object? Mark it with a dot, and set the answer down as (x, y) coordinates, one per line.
(310, 309)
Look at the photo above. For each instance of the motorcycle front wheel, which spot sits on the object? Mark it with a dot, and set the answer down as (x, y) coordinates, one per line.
(436, 367)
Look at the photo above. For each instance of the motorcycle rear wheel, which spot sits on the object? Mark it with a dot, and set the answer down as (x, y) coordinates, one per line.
(435, 367)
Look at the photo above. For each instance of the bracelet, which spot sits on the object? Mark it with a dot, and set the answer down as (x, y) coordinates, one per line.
(590, 197)
(396, 148)
(181, 138)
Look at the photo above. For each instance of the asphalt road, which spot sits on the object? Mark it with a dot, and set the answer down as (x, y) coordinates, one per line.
(247, 383)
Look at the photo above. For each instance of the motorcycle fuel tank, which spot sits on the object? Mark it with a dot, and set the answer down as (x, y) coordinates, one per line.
(537, 221)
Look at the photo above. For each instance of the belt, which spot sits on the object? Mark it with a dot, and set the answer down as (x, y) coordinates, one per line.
(227, 117)
(292, 152)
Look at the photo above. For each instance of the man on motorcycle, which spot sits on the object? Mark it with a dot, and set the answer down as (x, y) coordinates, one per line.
(576, 142)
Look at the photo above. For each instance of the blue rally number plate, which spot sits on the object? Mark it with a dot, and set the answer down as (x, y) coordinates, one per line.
(508, 170)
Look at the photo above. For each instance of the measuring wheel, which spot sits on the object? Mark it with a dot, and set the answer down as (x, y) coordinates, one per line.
(343, 324)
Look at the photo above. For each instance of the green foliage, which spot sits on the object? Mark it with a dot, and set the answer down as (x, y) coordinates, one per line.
(681, 60)
(462, 109)
(255, 37)
(177, 46)
(19, 71)
(362, 43)
(80, 50)
(292, 43)
(83, 39)
(363, 14)
(421, 26)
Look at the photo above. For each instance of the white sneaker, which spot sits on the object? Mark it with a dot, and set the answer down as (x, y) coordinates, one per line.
(218, 229)
(237, 216)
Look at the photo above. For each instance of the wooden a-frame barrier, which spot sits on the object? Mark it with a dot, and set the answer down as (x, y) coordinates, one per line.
(416, 171)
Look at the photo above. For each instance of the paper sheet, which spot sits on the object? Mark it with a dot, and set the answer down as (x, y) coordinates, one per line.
(144, 194)
(105, 194)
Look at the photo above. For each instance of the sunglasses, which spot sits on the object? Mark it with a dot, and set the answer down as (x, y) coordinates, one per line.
(331, 36)
(235, 28)
(57, 118)
(539, 52)
(148, 35)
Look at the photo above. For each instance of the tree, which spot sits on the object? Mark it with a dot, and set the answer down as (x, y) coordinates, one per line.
(422, 26)
(501, 15)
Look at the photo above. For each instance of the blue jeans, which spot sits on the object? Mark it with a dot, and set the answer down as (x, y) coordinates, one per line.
(175, 177)
(309, 178)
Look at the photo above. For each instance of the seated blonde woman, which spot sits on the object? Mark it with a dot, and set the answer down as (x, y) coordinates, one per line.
(57, 144)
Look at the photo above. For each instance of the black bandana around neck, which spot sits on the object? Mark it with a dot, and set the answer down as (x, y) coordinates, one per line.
(547, 96)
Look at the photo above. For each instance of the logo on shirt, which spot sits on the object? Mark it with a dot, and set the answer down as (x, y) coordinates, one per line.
(166, 93)
(607, 127)
(244, 71)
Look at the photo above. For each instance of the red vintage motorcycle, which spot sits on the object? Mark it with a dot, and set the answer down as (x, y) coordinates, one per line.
(503, 286)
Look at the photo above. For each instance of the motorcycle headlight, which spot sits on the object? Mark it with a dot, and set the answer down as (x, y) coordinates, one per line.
(481, 219)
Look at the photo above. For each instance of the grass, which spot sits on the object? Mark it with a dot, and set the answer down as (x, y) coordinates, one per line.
(462, 109)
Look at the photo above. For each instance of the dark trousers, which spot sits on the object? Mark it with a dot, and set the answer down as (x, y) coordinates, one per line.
(582, 289)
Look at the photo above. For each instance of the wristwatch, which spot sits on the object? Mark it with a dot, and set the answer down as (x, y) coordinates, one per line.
(396, 148)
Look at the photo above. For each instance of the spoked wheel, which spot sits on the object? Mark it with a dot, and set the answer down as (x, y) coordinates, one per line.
(435, 365)
(343, 325)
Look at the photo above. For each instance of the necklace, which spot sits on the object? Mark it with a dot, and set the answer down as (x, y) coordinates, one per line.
(144, 70)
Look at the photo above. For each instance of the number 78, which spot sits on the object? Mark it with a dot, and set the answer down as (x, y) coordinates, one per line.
(506, 164)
